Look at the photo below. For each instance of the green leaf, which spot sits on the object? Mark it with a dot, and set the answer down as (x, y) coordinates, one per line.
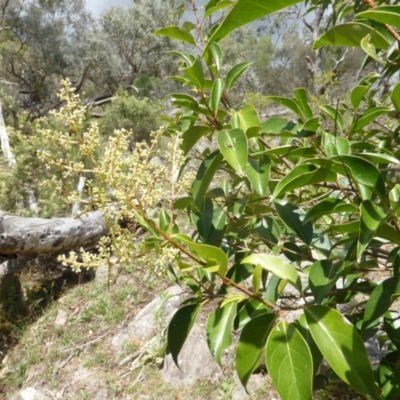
(362, 171)
(219, 6)
(357, 94)
(216, 259)
(334, 115)
(351, 34)
(251, 345)
(293, 217)
(234, 298)
(215, 59)
(216, 93)
(369, 116)
(389, 376)
(329, 206)
(248, 311)
(176, 32)
(195, 74)
(192, 135)
(246, 118)
(395, 96)
(377, 158)
(277, 266)
(386, 14)
(233, 146)
(342, 347)
(219, 329)
(302, 101)
(322, 277)
(204, 176)
(391, 325)
(246, 11)
(303, 175)
(291, 104)
(268, 229)
(372, 217)
(369, 48)
(258, 171)
(381, 299)
(235, 73)
(179, 328)
(301, 325)
(289, 363)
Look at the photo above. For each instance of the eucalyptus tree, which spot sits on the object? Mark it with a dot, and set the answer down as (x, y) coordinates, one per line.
(40, 42)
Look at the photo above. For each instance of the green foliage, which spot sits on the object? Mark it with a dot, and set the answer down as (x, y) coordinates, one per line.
(140, 116)
(306, 207)
(318, 195)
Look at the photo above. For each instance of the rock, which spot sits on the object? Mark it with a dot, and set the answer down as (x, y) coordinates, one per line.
(152, 318)
(61, 318)
(30, 393)
(195, 360)
(101, 395)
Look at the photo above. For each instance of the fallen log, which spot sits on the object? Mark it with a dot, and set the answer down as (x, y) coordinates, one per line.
(32, 236)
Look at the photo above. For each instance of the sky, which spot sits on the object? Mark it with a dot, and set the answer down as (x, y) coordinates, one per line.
(96, 7)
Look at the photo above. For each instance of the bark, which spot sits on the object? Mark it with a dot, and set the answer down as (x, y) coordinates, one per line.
(32, 236)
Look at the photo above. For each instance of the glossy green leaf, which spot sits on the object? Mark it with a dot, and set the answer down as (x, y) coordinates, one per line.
(329, 206)
(370, 49)
(369, 116)
(250, 310)
(195, 74)
(291, 104)
(362, 171)
(235, 73)
(386, 14)
(219, 329)
(351, 34)
(357, 94)
(301, 325)
(217, 7)
(302, 101)
(334, 115)
(204, 176)
(394, 197)
(391, 325)
(267, 228)
(245, 118)
(216, 259)
(258, 171)
(233, 146)
(379, 158)
(303, 175)
(381, 299)
(216, 53)
(234, 298)
(372, 217)
(395, 96)
(388, 375)
(251, 345)
(289, 363)
(246, 11)
(322, 278)
(192, 135)
(216, 93)
(293, 217)
(343, 348)
(176, 32)
(277, 266)
(179, 328)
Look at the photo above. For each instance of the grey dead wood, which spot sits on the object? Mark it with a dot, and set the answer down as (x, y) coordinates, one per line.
(31, 236)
